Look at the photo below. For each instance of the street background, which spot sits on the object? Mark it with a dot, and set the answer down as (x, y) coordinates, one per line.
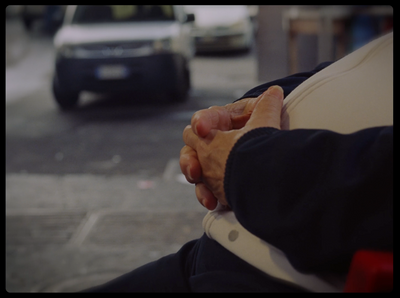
(97, 192)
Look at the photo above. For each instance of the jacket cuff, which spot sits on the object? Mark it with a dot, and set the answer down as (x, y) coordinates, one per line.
(263, 132)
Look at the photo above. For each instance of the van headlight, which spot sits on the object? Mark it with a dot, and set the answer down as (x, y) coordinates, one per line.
(66, 51)
(162, 45)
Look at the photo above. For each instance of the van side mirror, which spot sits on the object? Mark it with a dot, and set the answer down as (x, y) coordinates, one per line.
(190, 18)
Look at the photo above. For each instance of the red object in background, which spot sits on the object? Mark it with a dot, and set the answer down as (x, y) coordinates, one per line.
(370, 271)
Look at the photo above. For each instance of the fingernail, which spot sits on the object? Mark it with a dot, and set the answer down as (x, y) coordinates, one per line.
(195, 129)
(275, 91)
(188, 173)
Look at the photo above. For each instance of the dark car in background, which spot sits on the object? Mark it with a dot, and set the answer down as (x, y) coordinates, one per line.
(122, 48)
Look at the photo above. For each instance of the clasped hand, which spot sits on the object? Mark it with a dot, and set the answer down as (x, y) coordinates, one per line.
(212, 134)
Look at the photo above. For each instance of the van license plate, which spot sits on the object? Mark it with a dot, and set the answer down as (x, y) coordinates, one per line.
(111, 72)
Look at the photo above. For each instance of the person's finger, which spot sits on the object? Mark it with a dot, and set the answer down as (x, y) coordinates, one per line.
(267, 112)
(190, 165)
(205, 196)
(215, 117)
(190, 138)
(240, 114)
(231, 116)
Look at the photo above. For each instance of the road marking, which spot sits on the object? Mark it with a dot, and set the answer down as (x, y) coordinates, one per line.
(182, 179)
(172, 172)
(37, 226)
(84, 229)
(170, 169)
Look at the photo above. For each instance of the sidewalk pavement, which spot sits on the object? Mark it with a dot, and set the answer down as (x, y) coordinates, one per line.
(68, 233)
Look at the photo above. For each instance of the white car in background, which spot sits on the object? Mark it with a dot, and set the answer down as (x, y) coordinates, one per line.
(221, 27)
(122, 48)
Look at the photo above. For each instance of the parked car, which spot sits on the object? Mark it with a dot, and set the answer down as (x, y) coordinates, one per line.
(221, 28)
(122, 48)
(51, 15)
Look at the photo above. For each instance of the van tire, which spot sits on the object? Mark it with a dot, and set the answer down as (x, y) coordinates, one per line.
(65, 99)
(180, 94)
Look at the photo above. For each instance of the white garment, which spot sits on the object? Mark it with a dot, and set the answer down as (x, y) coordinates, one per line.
(351, 94)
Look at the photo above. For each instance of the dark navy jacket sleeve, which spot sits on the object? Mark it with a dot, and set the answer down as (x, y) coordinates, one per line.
(317, 195)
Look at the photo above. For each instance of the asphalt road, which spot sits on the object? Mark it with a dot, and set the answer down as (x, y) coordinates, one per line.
(96, 192)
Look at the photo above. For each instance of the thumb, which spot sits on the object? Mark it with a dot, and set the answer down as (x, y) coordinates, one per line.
(267, 112)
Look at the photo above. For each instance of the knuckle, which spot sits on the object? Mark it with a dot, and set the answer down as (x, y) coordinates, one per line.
(198, 114)
(184, 151)
(186, 131)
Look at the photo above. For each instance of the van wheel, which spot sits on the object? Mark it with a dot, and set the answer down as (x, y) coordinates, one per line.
(66, 99)
(180, 94)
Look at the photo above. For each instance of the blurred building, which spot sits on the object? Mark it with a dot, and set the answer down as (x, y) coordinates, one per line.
(296, 38)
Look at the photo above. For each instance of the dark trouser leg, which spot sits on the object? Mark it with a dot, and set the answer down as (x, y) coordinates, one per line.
(199, 266)
(167, 274)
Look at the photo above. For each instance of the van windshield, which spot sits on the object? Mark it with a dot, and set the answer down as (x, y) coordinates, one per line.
(91, 14)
